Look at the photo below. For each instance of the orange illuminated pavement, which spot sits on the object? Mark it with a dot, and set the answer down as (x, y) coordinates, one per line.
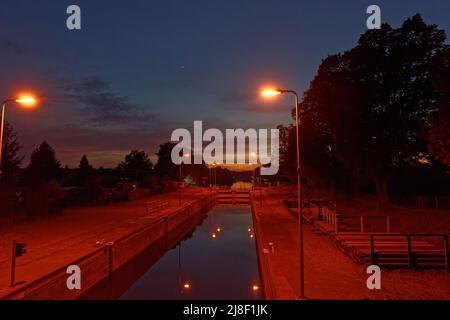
(329, 273)
(57, 241)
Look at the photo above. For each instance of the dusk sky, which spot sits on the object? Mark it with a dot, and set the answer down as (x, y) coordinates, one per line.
(139, 69)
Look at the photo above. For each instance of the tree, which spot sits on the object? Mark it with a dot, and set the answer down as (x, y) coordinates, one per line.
(165, 166)
(287, 151)
(136, 165)
(376, 99)
(85, 170)
(439, 134)
(43, 165)
(10, 153)
(319, 164)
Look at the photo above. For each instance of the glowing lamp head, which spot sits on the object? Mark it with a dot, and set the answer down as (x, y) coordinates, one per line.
(26, 100)
(187, 286)
(270, 93)
(255, 287)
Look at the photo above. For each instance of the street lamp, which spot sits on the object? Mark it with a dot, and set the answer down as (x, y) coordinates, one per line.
(26, 100)
(270, 93)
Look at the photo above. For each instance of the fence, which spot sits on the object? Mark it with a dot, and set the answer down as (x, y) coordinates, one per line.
(156, 206)
(414, 258)
(438, 202)
(363, 223)
(102, 262)
(326, 212)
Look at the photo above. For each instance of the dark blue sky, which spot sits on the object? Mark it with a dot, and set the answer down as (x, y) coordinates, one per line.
(139, 69)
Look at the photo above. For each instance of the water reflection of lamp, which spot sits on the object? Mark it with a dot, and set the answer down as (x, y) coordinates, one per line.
(186, 285)
(179, 269)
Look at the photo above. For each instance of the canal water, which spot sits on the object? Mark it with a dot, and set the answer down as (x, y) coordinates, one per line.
(216, 260)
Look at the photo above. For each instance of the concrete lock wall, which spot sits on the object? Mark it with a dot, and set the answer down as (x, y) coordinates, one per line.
(101, 263)
(94, 266)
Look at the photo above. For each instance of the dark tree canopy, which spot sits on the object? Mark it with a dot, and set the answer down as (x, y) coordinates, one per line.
(165, 166)
(85, 170)
(11, 158)
(375, 100)
(43, 165)
(136, 164)
(439, 135)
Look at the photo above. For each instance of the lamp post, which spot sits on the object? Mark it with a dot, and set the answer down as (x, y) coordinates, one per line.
(273, 93)
(25, 100)
(209, 180)
(214, 168)
(179, 187)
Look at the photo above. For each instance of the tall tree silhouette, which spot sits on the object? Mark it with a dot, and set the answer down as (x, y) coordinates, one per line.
(85, 170)
(165, 166)
(10, 153)
(135, 165)
(376, 98)
(43, 165)
(439, 135)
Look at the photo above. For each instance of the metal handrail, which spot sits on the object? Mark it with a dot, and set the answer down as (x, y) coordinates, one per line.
(409, 236)
(364, 218)
(157, 206)
(62, 270)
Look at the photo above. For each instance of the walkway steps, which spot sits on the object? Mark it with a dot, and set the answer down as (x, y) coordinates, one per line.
(391, 250)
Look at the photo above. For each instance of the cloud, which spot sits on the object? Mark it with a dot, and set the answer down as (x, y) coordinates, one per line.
(102, 106)
(13, 47)
(104, 146)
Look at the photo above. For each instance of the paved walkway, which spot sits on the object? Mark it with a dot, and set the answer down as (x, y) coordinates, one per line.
(329, 273)
(57, 241)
